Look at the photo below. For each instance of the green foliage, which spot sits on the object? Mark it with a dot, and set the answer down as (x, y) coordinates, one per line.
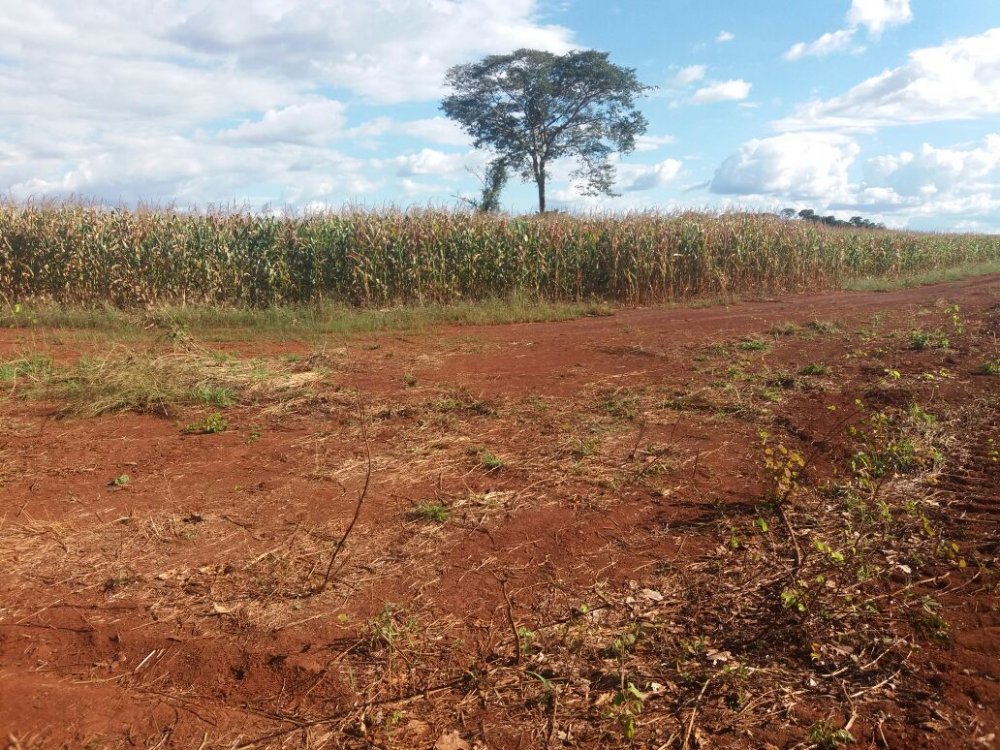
(824, 736)
(490, 462)
(783, 467)
(212, 395)
(532, 107)
(815, 368)
(431, 511)
(210, 425)
(620, 403)
(626, 705)
(34, 366)
(920, 340)
(991, 367)
(753, 345)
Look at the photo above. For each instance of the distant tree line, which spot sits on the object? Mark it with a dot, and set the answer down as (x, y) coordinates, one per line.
(807, 214)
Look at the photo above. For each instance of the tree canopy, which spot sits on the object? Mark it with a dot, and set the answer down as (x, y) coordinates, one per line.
(532, 107)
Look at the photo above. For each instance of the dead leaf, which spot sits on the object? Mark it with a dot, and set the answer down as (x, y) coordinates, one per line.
(451, 741)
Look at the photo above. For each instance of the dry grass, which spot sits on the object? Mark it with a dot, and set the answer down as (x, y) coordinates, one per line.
(151, 381)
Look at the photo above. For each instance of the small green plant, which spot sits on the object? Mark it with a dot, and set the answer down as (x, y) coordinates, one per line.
(931, 621)
(793, 598)
(991, 367)
(825, 736)
(210, 425)
(526, 638)
(753, 345)
(583, 447)
(430, 510)
(33, 366)
(255, 434)
(409, 380)
(490, 462)
(626, 705)
(119, 481)
(783, 467)
(780, 379)
(620, 403)
(214, 396)
(921, 340)
(956, 319)
(815, 368)
(389, 629)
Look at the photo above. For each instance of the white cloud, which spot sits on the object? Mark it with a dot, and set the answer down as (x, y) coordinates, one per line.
(935, 171)
(652, 142)
(439, 130)
(723, 91)
(806, 165)
(832, 42)
(877, 15)
(389, 51)
(690, 74)
(873, 15)
(219, 100)
(637, 177)
(958, 80)
(431, 162)
(314, 121)
(903, 189)
(725, 36)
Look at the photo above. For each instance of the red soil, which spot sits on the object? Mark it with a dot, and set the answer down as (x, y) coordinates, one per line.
(176, 611)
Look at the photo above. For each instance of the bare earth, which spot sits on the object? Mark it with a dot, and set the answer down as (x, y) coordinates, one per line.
(603, 521)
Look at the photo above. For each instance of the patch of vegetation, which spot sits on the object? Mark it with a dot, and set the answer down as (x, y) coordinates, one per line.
(753, 345)
(462, 401)
(214, 395)
(156, 382)
(431, 510)
(785, 329)
(921, 340)
(815, 368)
(990, 367)
(210, 425)
(620, 403)
(824, 736)
(490, 462)
(34, 366)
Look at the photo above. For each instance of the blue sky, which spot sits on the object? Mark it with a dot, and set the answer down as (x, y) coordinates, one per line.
(889, 109)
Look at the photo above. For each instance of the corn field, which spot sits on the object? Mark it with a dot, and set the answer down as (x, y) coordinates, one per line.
(89, 256)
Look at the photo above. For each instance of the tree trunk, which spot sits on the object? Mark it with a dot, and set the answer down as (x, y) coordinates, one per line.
(540, 179)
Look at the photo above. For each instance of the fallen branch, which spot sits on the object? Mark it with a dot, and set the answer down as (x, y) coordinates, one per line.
(357, 508)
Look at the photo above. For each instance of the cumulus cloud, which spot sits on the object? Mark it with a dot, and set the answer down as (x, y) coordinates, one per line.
(313, 121)
(390, 51)
(245, 100)
(637, 177)
(431, 162)
(877, 15)
(725, 36)
(873, 15)
(723, 91)
(958, 80)
(933, 171)
(832, 42)
(909, 188)
(797, 165)
(690, 74)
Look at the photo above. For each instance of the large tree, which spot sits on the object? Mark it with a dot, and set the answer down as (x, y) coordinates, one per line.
(531, 107)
